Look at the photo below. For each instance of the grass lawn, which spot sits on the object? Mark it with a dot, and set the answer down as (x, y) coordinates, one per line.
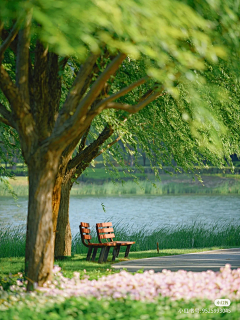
(94, 270)
(40, 307)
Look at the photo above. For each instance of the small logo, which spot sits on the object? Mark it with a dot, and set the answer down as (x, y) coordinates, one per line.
(222, 302)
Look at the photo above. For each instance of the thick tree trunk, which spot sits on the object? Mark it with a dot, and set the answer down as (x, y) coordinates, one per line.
(63, 239)
(40, 240)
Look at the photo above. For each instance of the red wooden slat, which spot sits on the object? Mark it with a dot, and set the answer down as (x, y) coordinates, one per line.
(86, 236)
(104, 224)
(84, 224)
(103, 230)
(107, 236)
(85, 230)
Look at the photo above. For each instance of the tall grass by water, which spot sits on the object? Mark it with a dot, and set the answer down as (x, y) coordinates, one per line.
(197, 235)
(142, 187)
(158, 188)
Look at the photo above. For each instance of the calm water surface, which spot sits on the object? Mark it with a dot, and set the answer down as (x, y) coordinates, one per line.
(137, 211)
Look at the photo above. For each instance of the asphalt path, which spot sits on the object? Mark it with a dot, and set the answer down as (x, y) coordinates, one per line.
(196, 262)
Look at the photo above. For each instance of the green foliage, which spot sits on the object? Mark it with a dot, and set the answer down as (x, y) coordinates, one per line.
(175, 43)
(87, 309)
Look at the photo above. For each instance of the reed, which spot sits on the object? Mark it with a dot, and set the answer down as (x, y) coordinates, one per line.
(182, 236)
(148, 188)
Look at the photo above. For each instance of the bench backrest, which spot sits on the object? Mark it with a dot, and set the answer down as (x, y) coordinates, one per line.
(85, 233)
(105, 232)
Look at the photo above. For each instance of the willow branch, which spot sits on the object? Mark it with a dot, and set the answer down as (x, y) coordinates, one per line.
(1, 28)
(104, 135)
(5, 122)
(121, 93)
(108, 146)
(7, 116)
(20, 110)
(10, 38)
(134, 108)
(75, 93)
(80, 120)
(62, 63)
(10, 90)
(83, 140)
(53, 89)
(99, 84)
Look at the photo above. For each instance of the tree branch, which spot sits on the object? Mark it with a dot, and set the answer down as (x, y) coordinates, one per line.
(137, 107)
(21, 112)
(99, 84)
(75, 93)
(104, 135)
(54, 89)
(22, 67)
(10, 91)
(78, 123)
(62, 63)
(108, 146)
(83, 140)
(1, 28)
(41, 89)
(7, 116)
(10, 37)
(5, 122)
(119, 94)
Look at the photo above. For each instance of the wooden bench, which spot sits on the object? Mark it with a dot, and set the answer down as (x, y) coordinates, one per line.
(86, 240)
(105, 232)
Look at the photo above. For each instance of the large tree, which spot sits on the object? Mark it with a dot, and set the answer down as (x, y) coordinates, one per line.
(101, 35)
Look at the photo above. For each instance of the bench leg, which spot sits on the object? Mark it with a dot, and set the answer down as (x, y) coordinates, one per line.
(127, 251)
(118, 250)
(94, 253)
(106, 254)
(89, 253)
(114, 253)
(102, 255)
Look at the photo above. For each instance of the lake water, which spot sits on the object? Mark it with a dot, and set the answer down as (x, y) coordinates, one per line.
(138, 211)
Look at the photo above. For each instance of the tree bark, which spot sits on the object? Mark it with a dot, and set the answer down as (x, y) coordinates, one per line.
(63, 238)
(42, 170)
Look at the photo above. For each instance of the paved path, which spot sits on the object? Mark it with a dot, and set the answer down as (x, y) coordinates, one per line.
(197, 262)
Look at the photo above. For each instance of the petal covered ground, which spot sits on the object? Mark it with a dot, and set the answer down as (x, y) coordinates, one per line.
(149, 285)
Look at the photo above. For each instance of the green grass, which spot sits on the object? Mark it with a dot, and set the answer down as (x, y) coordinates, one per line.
(80, 308)
(94, 270)
(176, 241)
(35, 307)
(196, 235)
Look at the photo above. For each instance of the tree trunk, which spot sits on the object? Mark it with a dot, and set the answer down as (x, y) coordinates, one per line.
(56, 200)
(63, 239)
(39, 257)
